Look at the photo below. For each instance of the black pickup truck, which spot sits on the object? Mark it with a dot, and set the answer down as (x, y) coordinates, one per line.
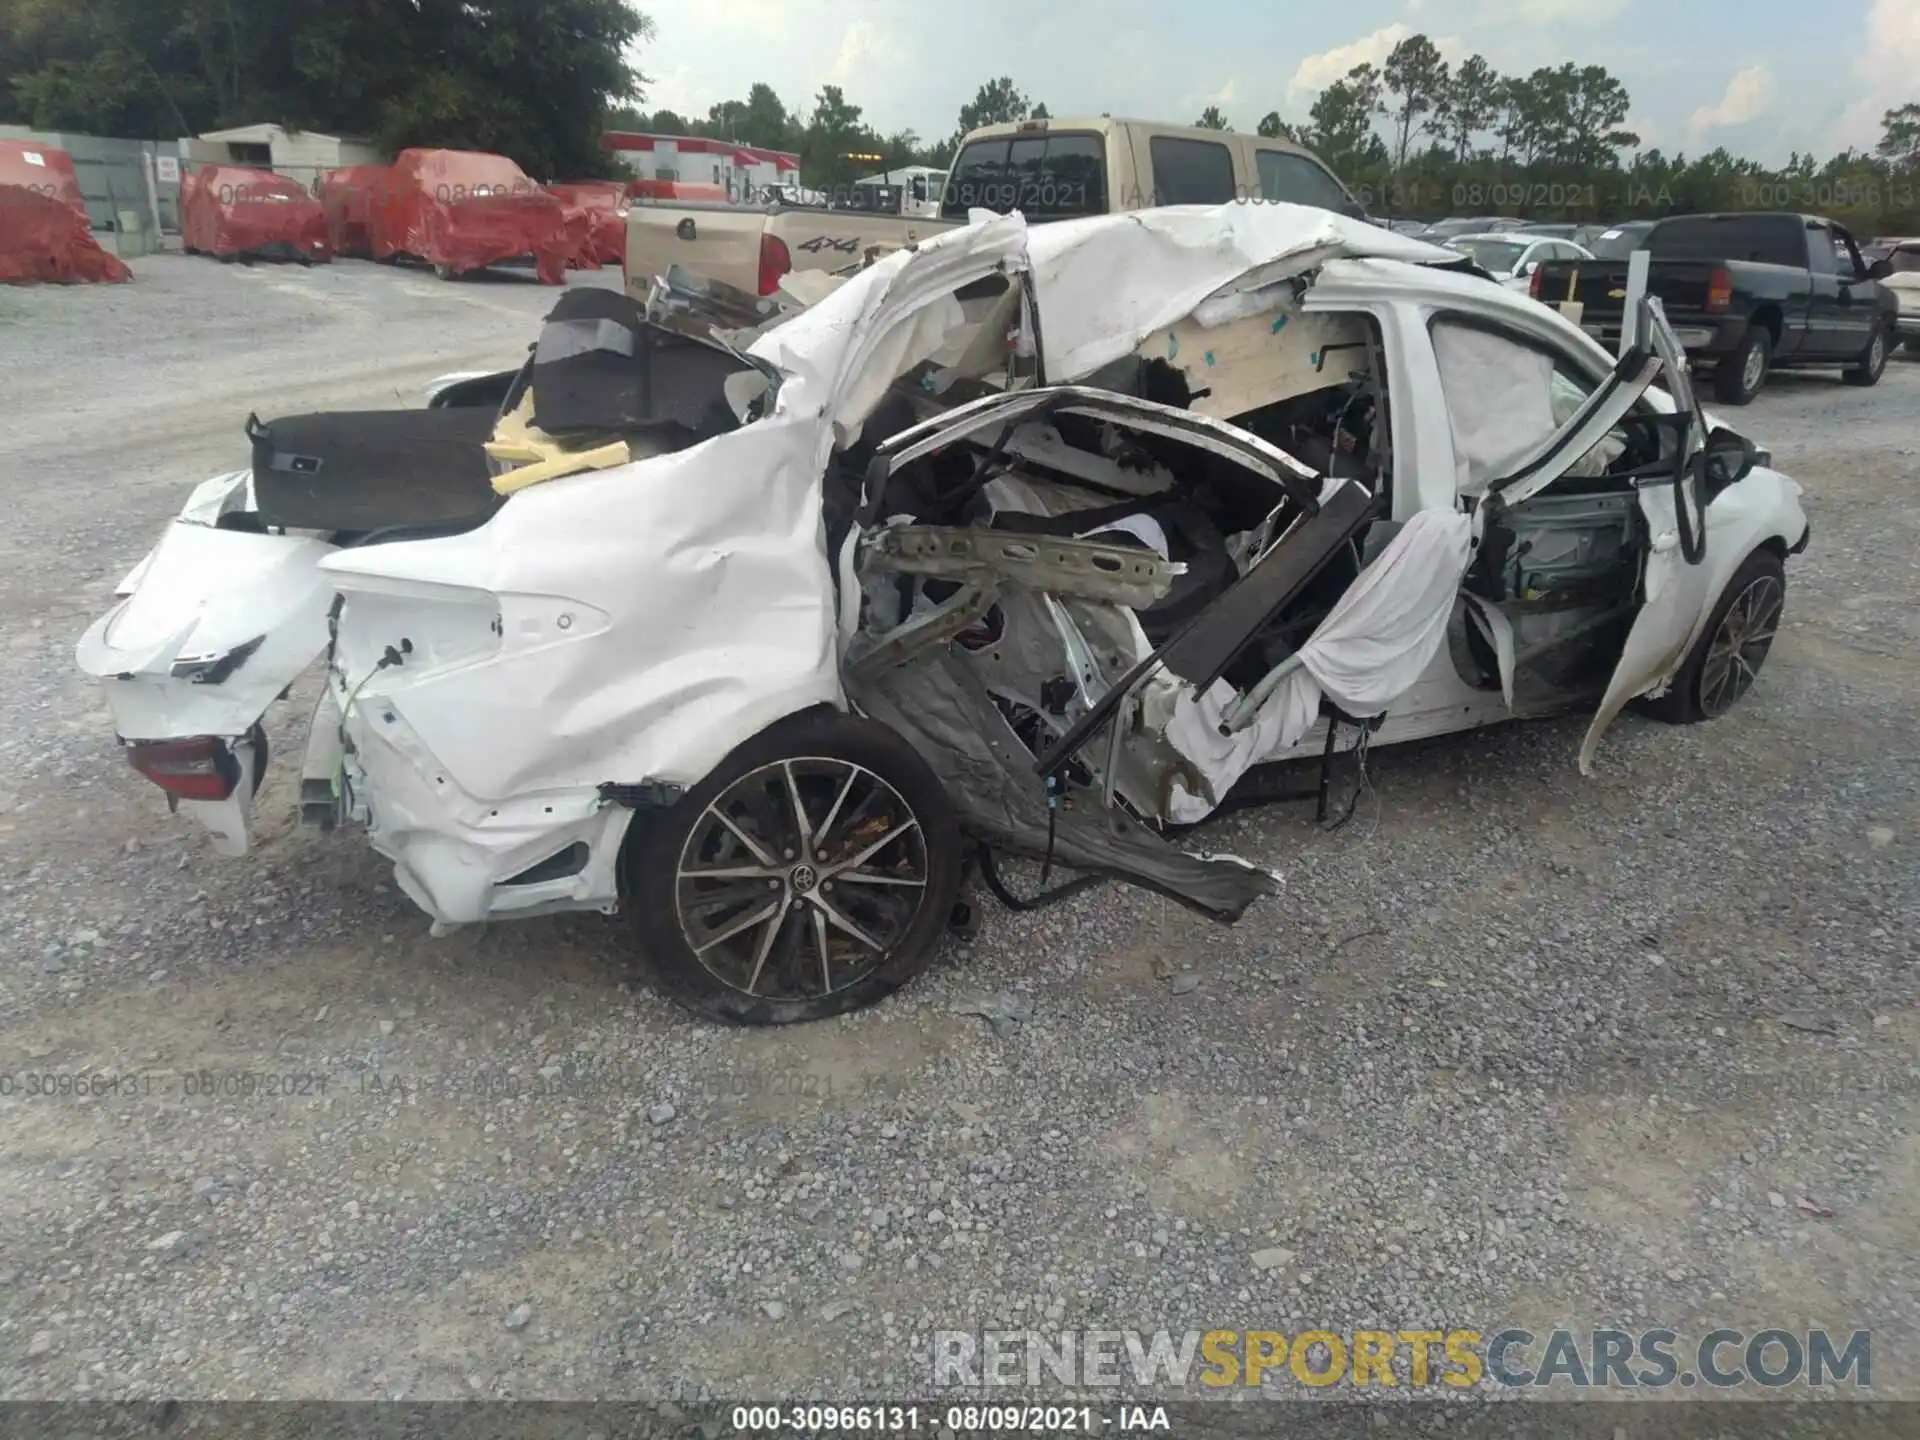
(1746, 293)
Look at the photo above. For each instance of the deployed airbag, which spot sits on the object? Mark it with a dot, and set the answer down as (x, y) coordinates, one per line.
(1374, 643)
(1499, 397)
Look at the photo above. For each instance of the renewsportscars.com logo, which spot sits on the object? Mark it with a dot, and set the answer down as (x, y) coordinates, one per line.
(1461, 1359)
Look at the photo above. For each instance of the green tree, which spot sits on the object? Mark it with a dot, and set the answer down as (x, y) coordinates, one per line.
(1468, 106)
(1212, 119)
(1274, 128)
(1900, 135)
(994, 103)
(1342, 117)
(835, 130)
(533, 79)
(1040, 113)
(1417, 78)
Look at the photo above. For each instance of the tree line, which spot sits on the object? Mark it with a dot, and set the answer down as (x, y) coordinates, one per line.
(531, 79)
(1417, 136)
(540, 80)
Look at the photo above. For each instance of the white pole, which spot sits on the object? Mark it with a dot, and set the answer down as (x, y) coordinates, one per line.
(1637, 263)
(147, 168)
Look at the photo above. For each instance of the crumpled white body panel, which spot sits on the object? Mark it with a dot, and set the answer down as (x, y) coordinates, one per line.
(654, 615)
(640, 622)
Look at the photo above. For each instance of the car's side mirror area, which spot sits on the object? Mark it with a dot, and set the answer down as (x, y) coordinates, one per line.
(1528, 268)
(1727, 459)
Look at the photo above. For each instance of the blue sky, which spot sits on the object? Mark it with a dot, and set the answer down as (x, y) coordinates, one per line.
(1762, 77)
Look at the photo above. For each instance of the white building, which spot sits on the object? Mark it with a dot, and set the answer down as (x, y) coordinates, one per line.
(742, 170)
(302, 154)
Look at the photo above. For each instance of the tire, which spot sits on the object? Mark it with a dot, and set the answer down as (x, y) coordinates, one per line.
(767, 971)
(446, 272)
(1873, 360)
(1700, 689)
(1738, 377)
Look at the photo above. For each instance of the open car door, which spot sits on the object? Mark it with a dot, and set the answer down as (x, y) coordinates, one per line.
(1676, 588)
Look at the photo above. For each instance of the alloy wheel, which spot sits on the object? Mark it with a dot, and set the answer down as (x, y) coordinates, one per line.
(1754, 370)
(1740, 645)
(801, 879)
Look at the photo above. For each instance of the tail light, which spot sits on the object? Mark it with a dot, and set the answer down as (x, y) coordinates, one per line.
(775, 261)
(1537, 283)
(1719, 289)
(202, 768)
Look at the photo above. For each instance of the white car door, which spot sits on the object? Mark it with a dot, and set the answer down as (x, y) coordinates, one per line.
(1677, 588)
(1511, 443)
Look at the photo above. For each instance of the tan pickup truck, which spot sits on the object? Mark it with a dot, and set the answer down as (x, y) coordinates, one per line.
(1046, 169)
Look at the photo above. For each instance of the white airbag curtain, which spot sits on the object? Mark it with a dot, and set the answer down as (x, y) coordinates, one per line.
(1374, 643)
(1499, 398)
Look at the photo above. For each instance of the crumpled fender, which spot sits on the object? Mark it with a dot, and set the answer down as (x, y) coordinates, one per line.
(218, 623)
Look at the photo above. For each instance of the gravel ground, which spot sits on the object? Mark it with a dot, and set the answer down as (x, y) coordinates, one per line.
(1514, 1047)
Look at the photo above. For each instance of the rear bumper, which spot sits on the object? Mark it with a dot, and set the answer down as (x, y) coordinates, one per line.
(458, 857)
(1708, 339)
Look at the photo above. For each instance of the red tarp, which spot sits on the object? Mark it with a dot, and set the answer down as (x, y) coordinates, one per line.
(44, 231)
(460, 210)
(233, 210)
(596, 221)
(347, 197)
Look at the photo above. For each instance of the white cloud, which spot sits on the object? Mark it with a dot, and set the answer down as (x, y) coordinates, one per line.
(1888, 60)
(867, 49)
(1316, 72)
(1562, 12)
(1745, 99)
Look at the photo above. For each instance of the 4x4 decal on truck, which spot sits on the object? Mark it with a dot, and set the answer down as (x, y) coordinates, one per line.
(845, 244)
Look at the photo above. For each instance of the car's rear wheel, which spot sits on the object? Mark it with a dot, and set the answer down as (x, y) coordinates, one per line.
(1741, 373)
(1725, 662)
(1873, 360)
(812, 873)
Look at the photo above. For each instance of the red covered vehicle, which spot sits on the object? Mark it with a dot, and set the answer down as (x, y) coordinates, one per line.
(347, 198)
(596, 220)
(45, 235)
(463, 210)
(231, 211)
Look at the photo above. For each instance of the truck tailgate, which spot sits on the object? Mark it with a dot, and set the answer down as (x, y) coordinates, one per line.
(720, 242)
(1601, 285)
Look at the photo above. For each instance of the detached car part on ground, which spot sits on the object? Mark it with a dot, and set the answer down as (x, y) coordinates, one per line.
(1045, 542)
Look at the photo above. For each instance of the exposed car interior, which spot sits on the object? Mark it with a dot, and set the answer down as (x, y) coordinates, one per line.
(1551, 592)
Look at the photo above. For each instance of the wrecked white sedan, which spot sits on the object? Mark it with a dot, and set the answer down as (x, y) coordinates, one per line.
(1036, 542)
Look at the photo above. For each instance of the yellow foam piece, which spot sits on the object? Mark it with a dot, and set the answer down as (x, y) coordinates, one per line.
(517, 438)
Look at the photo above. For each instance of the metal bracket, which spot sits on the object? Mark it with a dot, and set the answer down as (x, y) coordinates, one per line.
(934, 627)
(1083, 569)
(645, 795)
